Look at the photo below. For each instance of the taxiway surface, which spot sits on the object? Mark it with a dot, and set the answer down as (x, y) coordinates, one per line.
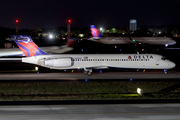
(92, 112)
(96, 75)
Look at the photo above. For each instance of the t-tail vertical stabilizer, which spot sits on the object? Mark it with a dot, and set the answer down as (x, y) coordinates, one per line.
(26, 44)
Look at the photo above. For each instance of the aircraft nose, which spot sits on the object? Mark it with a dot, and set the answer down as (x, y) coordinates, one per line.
(171, 64)
(172, 42)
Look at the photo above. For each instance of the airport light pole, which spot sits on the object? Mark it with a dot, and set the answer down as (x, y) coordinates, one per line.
(68, 29)
(17, 22)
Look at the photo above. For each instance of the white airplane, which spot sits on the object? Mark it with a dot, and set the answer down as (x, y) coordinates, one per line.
(18, 52)
(97, 37)
(34, 55)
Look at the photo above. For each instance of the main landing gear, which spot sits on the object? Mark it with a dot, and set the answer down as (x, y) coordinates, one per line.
(165, 71)
(88, 71)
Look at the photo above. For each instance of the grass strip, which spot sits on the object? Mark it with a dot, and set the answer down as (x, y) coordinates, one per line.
(89, 90)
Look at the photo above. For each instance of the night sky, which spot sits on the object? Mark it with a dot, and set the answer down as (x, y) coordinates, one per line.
(108, 13)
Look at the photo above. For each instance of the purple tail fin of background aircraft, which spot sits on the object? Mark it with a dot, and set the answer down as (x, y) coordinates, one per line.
(26, 44)
(94, 31)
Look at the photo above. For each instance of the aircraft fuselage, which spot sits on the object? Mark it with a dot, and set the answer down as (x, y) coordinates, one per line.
(101, 61)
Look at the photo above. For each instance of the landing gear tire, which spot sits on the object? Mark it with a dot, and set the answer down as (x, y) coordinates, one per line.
(89, 73)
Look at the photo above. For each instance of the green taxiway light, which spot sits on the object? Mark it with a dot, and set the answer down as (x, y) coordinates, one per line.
(133, 40)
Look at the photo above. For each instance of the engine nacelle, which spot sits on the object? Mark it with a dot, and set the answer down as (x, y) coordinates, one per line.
(56, 62)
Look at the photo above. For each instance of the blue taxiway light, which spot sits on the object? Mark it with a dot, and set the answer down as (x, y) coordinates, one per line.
(130, 79)
(86, 80)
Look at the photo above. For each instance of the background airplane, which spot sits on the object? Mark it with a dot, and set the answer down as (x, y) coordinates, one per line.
(50, 49)
(34, 55)
(97, 37)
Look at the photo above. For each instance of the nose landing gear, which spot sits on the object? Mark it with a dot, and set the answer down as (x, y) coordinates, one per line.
(165, 71)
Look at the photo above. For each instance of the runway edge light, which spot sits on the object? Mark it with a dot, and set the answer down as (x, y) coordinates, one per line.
(140, 91)
(36, 68)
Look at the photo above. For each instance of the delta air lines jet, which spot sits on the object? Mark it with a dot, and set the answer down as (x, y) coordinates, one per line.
(34, 55)
(97, 37)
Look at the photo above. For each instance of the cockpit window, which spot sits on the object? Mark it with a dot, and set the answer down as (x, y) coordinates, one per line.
(163, 58)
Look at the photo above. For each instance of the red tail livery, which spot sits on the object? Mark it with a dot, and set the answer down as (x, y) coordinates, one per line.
(26, 44)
